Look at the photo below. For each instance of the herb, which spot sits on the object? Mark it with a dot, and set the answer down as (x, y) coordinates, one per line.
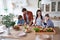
(36, 29)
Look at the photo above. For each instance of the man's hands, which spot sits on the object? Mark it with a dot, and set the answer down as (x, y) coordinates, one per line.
(30, 23)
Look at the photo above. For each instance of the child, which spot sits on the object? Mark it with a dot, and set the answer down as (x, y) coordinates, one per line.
(20, 20)
(49, 23)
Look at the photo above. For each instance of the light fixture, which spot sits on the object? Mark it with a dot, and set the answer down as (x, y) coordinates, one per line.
(45, 1)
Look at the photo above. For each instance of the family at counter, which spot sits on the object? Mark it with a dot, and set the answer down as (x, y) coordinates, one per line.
(27, 18)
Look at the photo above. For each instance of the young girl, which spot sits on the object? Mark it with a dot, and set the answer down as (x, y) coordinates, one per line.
(39, 18)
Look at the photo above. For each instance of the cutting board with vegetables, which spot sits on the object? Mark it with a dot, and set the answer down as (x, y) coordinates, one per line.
(49, 31)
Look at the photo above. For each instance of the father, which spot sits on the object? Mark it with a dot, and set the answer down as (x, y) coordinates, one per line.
(28, 16)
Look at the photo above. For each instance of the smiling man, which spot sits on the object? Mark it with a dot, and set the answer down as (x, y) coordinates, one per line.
(28, 16)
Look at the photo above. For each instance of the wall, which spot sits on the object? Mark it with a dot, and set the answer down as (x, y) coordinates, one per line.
(52, 14)
(32, 6)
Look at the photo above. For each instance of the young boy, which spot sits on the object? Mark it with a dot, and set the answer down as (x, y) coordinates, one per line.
(49, 23)
(20, 20)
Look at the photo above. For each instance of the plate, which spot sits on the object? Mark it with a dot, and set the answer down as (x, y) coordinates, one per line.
(1, 32)
(22, 34)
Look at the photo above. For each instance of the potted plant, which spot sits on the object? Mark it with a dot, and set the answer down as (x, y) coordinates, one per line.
(7, 20)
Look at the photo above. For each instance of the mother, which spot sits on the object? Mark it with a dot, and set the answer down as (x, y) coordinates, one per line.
(39, 18)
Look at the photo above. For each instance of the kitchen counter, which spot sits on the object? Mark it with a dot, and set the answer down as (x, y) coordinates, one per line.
(31, 36)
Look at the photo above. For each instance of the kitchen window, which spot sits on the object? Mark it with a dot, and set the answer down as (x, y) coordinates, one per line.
(48, 8)
(58, 6)
(53, 6)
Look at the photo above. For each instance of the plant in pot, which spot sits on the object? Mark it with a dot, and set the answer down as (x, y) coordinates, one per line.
(7, 20)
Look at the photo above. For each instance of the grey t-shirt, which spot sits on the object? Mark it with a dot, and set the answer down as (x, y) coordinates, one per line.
(50, 23)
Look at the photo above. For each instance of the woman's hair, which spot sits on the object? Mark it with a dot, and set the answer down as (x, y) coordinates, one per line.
(40, 14)
(19, 16)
